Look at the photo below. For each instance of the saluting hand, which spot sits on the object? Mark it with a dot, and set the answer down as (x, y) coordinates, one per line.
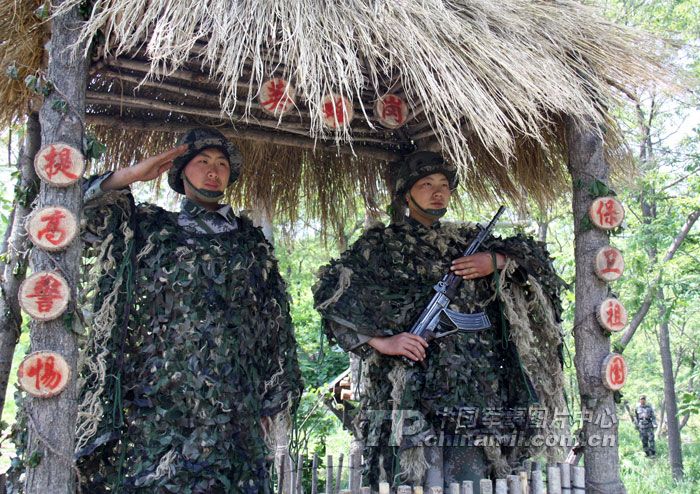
(477, 265)
(404, 344)
(145, 170)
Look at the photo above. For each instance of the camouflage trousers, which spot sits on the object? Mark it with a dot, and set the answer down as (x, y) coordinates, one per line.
(648, 443)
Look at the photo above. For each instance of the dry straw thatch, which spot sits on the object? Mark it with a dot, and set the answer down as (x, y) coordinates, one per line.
(488, 83)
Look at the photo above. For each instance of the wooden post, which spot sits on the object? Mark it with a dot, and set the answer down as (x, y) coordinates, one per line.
(314, 474)
(565, 471)
(435, 490)
(501, 486)
(578, 480)
(292, 477)
(329, 474)
(300, 472)
(280, 475)
(365, 490)
(339, 478)
(537, 482)
(355, 478)
(467, 487)
(454, 488)
(51, 422)
(485, 486)
(403, 489)
(524, 483)
(514, 484)
(384, 488)
(13, 270)
(586, 164)
(553, 480)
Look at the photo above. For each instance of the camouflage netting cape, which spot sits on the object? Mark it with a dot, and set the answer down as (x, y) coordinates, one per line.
(379, 286)
(190, 344)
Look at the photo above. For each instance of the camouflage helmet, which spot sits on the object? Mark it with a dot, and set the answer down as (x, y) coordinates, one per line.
(410, 169)
(197, 140)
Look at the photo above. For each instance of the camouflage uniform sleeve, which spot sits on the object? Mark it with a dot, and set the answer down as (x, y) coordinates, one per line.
(349, 340)
(104, 212)
(283, 385)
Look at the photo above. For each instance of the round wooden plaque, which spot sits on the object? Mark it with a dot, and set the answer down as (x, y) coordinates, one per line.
(44, 295)
(337, 111)
(612, 315)
(609, 264)
(391, 111)
(277, 97)
(43, 374)
(59, 164)
(52, 228)
(606, 213)
(614, 371)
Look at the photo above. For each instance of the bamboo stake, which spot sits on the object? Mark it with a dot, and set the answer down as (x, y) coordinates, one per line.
(578, 480)
(300, 466)
(514, 486)
(314, 474)
(329, 474)
(280, 476)
(340, 474)
(403, 489)
(467, 487)
(501, 486)
(485, 486)
(355, 473)
(292, 477)
(417, 489)
(524, 483)
(454, 487)
(565, 472)
(553, 480)
(384, 488)
(537, 482)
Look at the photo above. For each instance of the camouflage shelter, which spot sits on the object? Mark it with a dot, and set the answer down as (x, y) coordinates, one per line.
(511, 92)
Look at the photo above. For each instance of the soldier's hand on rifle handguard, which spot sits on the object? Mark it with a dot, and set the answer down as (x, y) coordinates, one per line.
(477, 265)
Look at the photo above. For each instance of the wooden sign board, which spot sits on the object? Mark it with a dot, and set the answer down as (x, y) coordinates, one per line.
(44, 295)
(612, 315)
(52, 228)
(277, 97)
(337, 111)
(391, 111)
(614, 371)
(606, 213)
(59, 164)
(609, 264)
(43, 374)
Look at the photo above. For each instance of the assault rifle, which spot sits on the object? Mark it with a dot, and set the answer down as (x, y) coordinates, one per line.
(436, 320)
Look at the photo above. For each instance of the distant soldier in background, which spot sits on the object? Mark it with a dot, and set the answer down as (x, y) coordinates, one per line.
(645, 421)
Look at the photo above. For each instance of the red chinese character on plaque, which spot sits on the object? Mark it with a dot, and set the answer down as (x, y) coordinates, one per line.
(43, 374)
(612, 315)
(337, 111)
(606, 213)
(52, 228)
(59, 164)
(391, 111)
(44, 295)
(277, 97)
(609, 264)
(614, 371)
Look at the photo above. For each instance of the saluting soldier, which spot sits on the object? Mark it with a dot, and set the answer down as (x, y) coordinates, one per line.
(646, 424)
(199, 351)
(444, 422)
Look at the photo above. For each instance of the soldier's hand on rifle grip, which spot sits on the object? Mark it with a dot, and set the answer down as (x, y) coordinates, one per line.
(477, 265)
(403, 344)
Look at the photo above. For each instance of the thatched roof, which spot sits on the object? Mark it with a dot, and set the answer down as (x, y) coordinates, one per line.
(486, 82)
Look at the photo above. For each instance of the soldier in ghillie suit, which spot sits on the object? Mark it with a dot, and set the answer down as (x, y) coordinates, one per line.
(191, 351)
(440, 422)
(645, 422)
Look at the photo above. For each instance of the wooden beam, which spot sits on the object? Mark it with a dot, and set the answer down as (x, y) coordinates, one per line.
(371, 152)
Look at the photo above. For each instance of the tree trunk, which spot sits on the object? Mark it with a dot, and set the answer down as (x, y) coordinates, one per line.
(587, 162)
(17, 245)
(51, 421)
(675, 455)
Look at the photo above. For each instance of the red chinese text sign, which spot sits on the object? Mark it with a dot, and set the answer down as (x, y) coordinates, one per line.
(277, 97)
(52, 228)
(43, 374)
(44, 295)
(614, 371)
(606, 213)
(337, 111)
(391, 111)
(612, 315)
(609, 264)
(59, 164)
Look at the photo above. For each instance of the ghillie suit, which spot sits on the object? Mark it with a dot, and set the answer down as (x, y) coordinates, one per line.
(646, 423)
(476, 384)
(190, 344)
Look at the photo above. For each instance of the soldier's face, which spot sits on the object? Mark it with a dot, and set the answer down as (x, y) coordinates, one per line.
(642, 401)
(431, 192)
(208, 170)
